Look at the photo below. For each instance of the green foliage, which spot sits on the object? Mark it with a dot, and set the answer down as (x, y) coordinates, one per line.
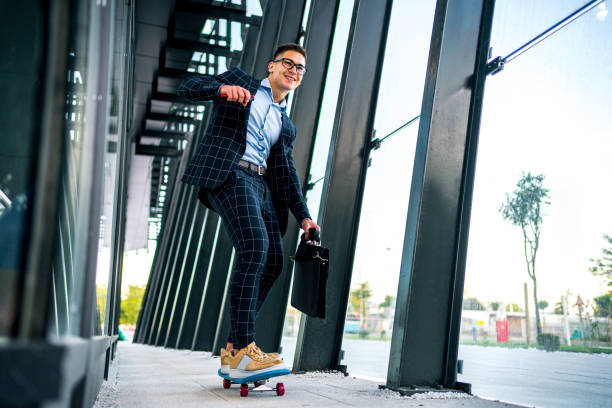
(603, 266)
(513, 307)
(472, 304)
(543, 304)
(130, 305)
(388, 302)
(363, 333)
(101, 301)
(558, 307)
(495, 306)
(549, 342)
(359, 298)
(603, 305)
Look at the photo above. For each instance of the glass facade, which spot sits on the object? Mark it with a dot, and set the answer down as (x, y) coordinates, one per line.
(536, 312)
(539, 215)
(21, 85)
(371, 307)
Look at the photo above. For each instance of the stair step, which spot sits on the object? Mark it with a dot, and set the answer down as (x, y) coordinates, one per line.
(216, 10)
(147, 150)
(165, 117)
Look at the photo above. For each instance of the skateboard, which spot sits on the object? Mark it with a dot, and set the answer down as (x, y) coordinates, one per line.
(258, 381)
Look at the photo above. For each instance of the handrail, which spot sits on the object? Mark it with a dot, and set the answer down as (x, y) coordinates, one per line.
(497, 64)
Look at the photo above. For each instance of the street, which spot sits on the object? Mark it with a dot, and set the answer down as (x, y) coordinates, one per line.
(527, 377)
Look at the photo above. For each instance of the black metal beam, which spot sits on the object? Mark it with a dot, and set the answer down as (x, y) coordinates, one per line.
(195, 292)
(219, 270)
(171, 225)
(177, 267)
(425, 339)
(155, 282)
(305, 113)
(319, 340)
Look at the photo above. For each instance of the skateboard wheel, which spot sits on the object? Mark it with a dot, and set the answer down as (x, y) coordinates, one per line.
(226, 383)
(280, 389)
(244, 390)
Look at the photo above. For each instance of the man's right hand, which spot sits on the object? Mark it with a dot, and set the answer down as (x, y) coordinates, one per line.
(236, 93)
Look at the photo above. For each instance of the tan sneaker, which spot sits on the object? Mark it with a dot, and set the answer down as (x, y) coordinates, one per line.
(226, 359)
(251, 361)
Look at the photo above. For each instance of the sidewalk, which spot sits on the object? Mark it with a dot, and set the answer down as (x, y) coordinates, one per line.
(151, 377)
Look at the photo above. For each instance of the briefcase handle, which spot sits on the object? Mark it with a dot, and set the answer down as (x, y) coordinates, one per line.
(313, 236)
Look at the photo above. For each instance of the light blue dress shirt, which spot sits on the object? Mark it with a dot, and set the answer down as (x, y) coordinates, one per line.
(264, 125)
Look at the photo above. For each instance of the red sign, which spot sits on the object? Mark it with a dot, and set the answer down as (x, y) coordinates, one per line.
(579, 302)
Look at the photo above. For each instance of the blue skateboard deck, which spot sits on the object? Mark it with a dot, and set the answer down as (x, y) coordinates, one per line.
(258, 380)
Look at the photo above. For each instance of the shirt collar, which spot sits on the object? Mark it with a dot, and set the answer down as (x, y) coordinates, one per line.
(266, 83)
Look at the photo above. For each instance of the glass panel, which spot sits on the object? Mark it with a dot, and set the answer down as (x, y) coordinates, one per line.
(21, 86)
(320, 154)
(82, 92)
(545, 121)
(116, 130)
(369, 319)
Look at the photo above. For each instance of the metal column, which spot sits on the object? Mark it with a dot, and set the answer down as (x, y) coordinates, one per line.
(319, 341)
(428, 312)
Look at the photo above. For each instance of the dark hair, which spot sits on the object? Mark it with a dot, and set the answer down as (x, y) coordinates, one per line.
(289, 47)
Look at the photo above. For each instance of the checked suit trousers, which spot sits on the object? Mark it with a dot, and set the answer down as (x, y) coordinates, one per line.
(245, 206)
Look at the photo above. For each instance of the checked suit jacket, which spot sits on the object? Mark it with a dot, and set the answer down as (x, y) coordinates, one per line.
(224, 144)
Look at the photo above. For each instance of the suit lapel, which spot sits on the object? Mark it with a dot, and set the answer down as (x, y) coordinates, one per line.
(285, 129)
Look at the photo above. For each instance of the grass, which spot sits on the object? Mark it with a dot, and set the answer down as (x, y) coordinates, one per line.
(576, 348)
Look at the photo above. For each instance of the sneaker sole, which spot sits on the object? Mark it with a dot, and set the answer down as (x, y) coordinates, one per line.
(257, 377)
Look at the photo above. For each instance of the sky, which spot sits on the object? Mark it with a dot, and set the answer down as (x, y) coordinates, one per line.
(546, 112)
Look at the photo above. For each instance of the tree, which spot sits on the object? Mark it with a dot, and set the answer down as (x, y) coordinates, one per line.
(558, 307)
(524, 208)
(388, 302)
(513, 307)
(359, 299)
(494, 306)
(101, 301)
(542, 304)
(130, 305)
(472, 304)
(603, 266)
(603, 305)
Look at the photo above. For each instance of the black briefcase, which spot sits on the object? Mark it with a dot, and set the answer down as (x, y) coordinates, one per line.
(310, 276)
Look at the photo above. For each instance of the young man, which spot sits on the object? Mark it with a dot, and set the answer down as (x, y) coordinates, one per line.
(245, 169)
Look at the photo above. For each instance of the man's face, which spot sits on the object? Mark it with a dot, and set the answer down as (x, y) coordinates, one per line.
(283, 78)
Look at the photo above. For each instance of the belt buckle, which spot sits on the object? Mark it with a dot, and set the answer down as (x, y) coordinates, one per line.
(260, 170)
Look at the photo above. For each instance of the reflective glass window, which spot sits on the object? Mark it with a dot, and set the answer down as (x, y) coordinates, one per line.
(541, 208)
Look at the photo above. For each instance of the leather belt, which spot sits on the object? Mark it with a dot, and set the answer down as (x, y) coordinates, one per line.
(261, 170)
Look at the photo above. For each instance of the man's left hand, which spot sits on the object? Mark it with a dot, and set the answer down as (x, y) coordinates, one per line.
(307, 224)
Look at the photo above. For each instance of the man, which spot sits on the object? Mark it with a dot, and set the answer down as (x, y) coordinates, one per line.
(245, 169)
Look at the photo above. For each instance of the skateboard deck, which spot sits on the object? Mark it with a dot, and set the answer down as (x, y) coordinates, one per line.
(258, 381)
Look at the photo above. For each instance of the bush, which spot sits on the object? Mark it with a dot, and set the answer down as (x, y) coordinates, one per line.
(549, 342)
(363, 333)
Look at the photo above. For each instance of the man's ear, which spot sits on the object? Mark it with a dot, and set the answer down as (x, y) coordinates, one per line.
(270, 66)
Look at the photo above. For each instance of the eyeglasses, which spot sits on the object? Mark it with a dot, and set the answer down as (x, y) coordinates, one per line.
(289, 64)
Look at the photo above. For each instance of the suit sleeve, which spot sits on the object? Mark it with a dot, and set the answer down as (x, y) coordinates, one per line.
(206, 87)
(297, 203)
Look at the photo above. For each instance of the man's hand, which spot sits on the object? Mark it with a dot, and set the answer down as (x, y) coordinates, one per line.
(236, 93)
(307, 224)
